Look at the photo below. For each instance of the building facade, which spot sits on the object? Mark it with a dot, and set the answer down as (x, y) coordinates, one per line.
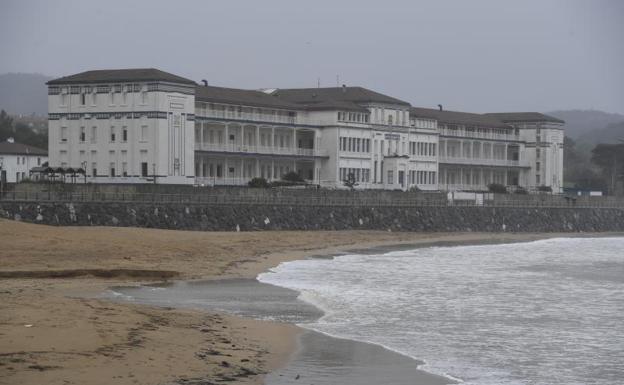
(16, 161)
(149, 126)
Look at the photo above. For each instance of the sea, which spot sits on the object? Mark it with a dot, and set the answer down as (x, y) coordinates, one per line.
(547, 312)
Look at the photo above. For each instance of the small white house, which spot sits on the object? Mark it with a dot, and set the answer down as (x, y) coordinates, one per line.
(16, 160)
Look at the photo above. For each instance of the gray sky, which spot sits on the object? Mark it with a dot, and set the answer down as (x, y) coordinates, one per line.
(478, 55)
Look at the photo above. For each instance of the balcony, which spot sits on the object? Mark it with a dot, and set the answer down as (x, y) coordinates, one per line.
(264, 150)
(219, 114)
(478, 135)
(483, 162)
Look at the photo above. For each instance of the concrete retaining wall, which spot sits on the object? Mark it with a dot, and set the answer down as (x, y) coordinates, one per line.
(266, 217)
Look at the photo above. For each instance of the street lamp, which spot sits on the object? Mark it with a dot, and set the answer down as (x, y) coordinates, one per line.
(1, 176)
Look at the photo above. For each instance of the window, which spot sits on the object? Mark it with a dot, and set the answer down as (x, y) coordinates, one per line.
(537, 153)
(18, 160)
(124, 169)
(83, 134)
(144, 133)
(537, 166)
(537, 179)
(111, 96)
(144, 96)
(63, 134)
(144, 169)
(124, 134)
(390, 177)
(64, 98)
(112, 169)
(38, 161)
(83, 99)
(124, 97)
(112, 134)
(94, 169)
(94, 98)
(93, 134)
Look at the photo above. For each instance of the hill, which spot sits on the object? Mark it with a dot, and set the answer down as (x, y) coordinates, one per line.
(586, 123)
(612, 133)
(24, 94)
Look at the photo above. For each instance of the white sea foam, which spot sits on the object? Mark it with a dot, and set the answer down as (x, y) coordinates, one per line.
(544, 312)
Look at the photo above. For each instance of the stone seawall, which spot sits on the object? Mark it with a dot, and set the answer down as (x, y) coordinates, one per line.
(264, 217)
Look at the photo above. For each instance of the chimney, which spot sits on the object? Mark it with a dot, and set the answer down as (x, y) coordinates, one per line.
(205, 82)
(440, 107)
(344, 88)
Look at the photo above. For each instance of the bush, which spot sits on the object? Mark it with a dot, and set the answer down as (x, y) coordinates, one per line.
(497, 188)
(292, 177)
(258, 183)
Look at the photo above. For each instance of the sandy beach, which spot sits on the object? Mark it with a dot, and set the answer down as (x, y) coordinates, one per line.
(53, 331)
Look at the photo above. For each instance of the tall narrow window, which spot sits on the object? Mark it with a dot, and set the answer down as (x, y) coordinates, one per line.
(112, 133)
(144, 133)
(124, 134)
(63, 134)
(83, 134)
(94, 134)
(83, 99)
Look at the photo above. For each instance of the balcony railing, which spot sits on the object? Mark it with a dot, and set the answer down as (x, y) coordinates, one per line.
(268, 150)
(246, 116)
(483, 161)
(478, 135)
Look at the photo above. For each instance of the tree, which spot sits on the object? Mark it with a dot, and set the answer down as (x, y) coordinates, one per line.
(293, 176)
(259, 183)
(610, 159)
(350, 181)
(21, 132)
(497, 188)
(578, 170)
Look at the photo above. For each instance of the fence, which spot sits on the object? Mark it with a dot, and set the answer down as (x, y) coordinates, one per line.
(312, 198)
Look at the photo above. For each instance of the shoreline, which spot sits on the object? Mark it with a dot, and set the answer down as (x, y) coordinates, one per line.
(91, 340)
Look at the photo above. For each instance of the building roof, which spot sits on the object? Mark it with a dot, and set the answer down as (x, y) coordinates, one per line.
(525, 117)
(8, 148)
(240, 97)
(456, 117)
(121, 75)
(335, 95)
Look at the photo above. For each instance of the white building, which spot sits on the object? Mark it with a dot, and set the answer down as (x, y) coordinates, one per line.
(123, 126)
(16, 160)
(149, 126)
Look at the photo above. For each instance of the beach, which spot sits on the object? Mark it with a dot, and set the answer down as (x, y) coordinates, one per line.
(54, 329)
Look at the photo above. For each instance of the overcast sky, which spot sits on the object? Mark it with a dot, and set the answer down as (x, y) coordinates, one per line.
(479, 56)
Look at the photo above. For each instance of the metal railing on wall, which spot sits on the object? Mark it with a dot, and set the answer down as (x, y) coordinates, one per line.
(315, 198)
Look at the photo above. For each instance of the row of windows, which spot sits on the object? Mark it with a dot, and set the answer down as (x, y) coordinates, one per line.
(92, 96)
(422, 177)
(23, 160)
(112, 134)
(216, 170)
(422, 148)
(358, 174)
(353, 117)
(354, 144)
(113, 171)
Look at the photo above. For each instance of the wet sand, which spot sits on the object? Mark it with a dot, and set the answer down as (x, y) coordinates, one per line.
(319, 359)
(53, 330)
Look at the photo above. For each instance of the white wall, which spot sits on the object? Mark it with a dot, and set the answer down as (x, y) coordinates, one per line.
(17, 167)
(157, 141)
